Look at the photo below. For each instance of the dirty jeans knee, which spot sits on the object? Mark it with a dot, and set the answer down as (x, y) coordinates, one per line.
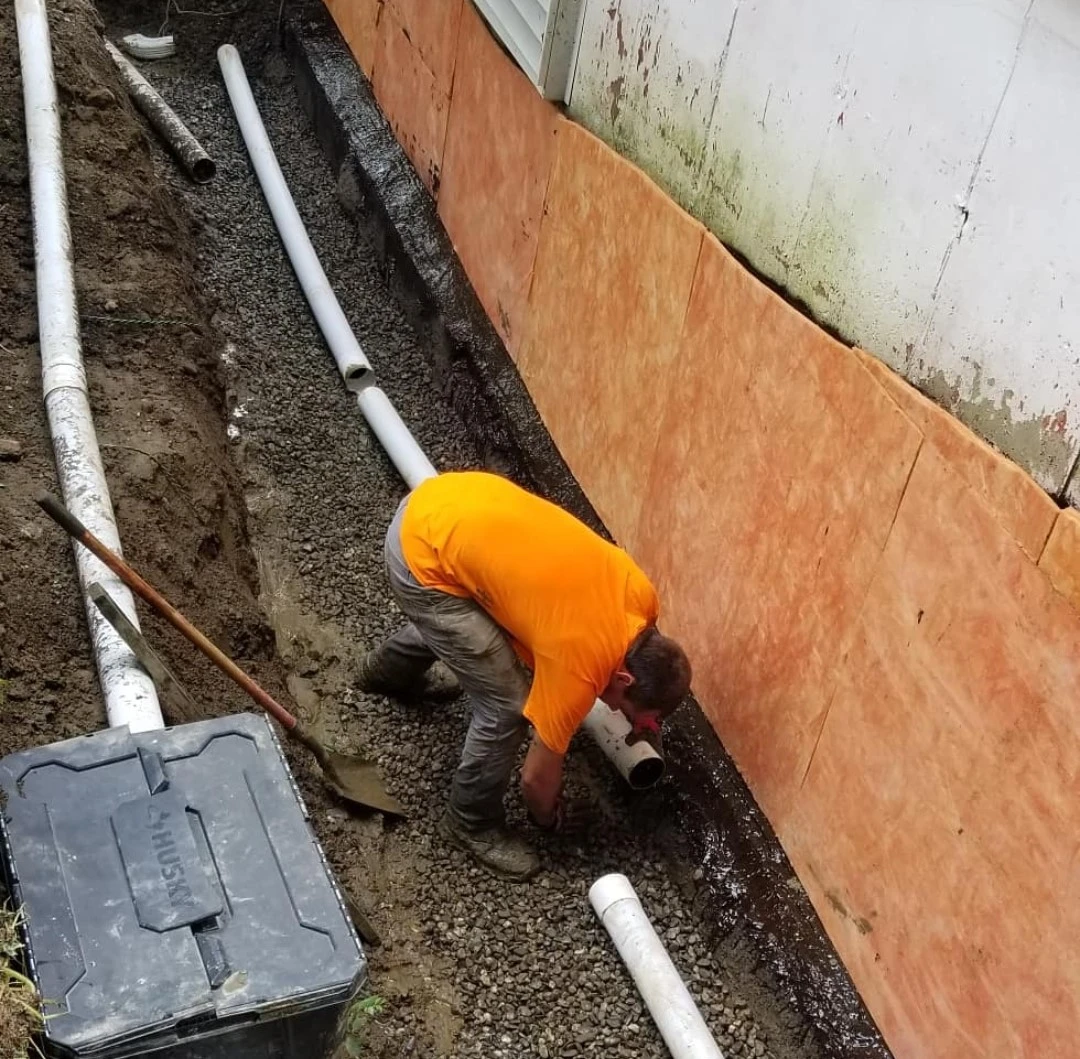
(403, 659)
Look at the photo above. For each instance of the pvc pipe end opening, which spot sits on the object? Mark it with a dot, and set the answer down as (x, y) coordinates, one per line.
(359, 378)
(647, 773)
(609, 889)
(203, 170)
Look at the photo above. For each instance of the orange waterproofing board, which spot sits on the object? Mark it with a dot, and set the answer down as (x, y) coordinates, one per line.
(883, 612)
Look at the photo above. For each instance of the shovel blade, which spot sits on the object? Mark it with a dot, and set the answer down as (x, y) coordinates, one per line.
(358, 781)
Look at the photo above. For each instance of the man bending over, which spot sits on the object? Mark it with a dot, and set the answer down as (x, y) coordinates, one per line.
(498, 584)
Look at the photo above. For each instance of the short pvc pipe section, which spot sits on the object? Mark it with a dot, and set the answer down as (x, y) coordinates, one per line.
(353, 365)
(130, 697)
(394, 436)
(192, 155)
(658, 981)
(640, 765)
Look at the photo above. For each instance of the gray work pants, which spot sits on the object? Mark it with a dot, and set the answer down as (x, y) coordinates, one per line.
(478, 652)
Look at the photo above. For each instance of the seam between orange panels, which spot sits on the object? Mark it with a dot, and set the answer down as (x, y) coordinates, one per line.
(862, 609)
(380, 6)
(387, 9)
(455, 50)
(1046, 540)
(694, 278)
(544, 212)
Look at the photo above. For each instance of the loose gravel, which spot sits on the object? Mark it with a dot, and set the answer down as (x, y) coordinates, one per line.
(471, 966)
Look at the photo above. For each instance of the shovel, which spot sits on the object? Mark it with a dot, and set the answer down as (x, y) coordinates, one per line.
(353, 778)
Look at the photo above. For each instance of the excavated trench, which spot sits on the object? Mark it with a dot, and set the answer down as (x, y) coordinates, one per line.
(248, 486)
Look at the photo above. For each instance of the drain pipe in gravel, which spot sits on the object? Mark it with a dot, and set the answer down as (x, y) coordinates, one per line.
(665, 994)
(356, 370)
(640, 765)
(130, 697)
(193, 157)
(394, 436)
(353, 365)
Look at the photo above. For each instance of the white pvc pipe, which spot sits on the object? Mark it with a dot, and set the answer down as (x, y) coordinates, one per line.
(130, 698)
(665, 994)
(353, 365)
(394, 435)
(143, 47)
(640, 765)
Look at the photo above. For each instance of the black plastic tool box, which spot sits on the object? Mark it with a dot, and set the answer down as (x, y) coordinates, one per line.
(177, 902)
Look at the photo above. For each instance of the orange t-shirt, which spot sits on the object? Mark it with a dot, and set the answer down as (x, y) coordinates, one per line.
(571, 602)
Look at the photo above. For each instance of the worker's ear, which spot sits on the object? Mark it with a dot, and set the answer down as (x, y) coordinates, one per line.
(615, 693)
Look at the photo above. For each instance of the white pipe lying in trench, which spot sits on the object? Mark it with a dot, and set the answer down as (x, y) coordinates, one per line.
(640, 764)
(351, 362)
(665, 994)
(130, 698)
(394, 436)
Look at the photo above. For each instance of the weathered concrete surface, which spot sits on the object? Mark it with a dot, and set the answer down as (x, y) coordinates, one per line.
(903, 171)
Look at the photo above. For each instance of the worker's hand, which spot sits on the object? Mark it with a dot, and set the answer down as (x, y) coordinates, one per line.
(541, 783)
(572, 817)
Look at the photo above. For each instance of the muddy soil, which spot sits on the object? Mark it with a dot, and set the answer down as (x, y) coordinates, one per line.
(157, 396)
(248, 488)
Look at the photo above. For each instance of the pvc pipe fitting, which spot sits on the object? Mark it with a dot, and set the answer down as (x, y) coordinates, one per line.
(640, 765)
(143, 47)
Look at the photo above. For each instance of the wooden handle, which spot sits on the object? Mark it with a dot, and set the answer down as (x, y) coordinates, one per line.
(61, 516)
(67, 521)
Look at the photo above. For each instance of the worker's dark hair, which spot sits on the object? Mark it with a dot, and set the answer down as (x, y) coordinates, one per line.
(660, 669)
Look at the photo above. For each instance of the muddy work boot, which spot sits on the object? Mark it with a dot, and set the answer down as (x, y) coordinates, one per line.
(500, 851)
(436, 684)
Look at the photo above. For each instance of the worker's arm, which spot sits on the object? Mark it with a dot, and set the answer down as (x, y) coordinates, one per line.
(541, 782)
(557, 704)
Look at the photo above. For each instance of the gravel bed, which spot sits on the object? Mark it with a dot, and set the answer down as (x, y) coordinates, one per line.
(474, 967)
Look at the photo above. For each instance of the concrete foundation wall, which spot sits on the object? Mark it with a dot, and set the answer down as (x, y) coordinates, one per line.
(901, 168)
(883, 611)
